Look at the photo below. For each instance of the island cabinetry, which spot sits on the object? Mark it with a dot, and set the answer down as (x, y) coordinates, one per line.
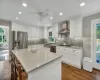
(17, 71)
(38, 64)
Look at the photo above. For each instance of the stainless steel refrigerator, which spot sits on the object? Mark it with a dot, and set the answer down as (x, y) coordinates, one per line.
(19, 40)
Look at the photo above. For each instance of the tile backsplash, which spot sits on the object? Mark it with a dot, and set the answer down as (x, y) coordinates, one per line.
(36, 41)
(77, 42)
(70, 42)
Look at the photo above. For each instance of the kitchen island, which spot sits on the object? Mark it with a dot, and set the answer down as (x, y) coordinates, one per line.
(39, 65)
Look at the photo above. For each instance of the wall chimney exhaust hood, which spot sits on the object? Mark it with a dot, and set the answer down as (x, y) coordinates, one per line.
(64, 28)
(63, 31)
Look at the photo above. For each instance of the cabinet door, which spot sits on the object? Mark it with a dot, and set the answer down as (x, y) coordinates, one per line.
(78, 55)
(66, 57)
(69, 50)
(59, 50)
(74, 58)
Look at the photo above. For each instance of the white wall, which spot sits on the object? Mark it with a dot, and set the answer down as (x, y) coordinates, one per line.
(87, 33)
(76, 28)
(34, 32)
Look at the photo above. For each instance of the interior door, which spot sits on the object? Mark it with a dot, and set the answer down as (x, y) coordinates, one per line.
(95, 43)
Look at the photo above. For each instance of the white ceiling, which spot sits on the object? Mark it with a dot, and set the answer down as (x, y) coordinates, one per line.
(70, 8)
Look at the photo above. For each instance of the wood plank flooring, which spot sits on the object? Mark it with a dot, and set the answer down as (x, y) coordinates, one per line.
(72, 73)
(68, 72)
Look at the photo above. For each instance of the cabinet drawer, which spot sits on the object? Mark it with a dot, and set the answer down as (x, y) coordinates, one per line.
(73, 51)
(59, 51)
(77, 51)
(66, 56)
(68, 51)
(71, 57)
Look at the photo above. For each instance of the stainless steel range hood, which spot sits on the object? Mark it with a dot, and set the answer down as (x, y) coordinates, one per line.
(64, 27)
(63, 31)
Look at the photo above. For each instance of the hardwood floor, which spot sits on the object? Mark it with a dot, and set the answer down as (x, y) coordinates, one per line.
(72, 73)
(68, 72)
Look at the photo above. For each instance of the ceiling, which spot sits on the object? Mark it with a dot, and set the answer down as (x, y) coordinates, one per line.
(70, 8)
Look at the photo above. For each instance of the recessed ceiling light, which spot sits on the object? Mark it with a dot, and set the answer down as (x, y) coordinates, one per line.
(19, 12)
(51, 17)
(16, 17)
(61, 13)
(82, 4)
(24, 4)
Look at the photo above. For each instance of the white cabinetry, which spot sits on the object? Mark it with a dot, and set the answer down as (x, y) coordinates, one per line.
(18, 27)
(76, 27)
(60, 50)
(71, 56)
(55, 30)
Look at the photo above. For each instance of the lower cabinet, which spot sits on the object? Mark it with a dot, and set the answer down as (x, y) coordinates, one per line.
(71, 56)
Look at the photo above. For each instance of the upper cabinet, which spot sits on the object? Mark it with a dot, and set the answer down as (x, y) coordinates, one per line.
(18, 27)
(71, 28)
(55, 30)
(35, 32)
(76, 28)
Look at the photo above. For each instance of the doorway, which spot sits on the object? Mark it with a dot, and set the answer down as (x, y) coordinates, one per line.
(4, 43)
(95, 43)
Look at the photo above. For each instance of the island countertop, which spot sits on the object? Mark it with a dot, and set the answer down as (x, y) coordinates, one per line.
(31, 61)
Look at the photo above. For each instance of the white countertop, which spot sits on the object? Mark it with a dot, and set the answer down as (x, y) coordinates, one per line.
(31, 61)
